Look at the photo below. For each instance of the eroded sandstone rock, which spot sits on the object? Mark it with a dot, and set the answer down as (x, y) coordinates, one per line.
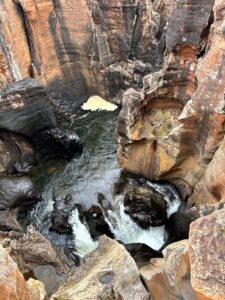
(171, 129)
(109, 272)
(207, 247)
(12, 283)
(169, 277)
(33, 249)
(109, 46)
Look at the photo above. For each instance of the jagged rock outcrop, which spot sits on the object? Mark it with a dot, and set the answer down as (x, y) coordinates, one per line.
(109, 272)
(81, 48)
(169, 277)
(12, 283)
(33, 249)
(174, 126)
(191, 269)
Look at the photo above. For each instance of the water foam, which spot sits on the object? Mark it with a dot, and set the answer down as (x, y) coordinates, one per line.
(127, 231)
(170, 196)
(83, 241)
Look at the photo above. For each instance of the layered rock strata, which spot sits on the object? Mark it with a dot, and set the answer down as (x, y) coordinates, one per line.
(80, 48)
(191, 269)
(173, 128)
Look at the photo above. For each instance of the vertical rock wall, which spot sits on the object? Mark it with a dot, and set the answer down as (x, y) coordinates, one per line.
(172, 129)
(79, 48)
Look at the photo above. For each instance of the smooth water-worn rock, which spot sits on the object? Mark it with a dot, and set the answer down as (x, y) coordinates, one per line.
(145, 206)
(12, 283)
(62, 208)
(8, 221)
(17, 154)
(172, 129)
(30, 131)
(17, 192)
(107, 273)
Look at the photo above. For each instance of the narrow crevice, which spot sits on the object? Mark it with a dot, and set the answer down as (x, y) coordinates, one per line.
(205, 37)
(132, 44)
(28, 38)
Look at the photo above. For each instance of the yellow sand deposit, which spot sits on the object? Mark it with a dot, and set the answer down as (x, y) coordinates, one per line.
(97, 103)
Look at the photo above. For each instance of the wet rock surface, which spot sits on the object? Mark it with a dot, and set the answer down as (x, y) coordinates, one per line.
(145, 206)
(30, 132)
(101, 275)
(17, 192)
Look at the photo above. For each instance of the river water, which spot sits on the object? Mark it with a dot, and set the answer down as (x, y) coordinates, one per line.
(96, 170)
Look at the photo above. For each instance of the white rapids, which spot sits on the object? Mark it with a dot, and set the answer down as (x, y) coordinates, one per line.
(123, 227)
(127, 231)
(82, 238)
(170, 196)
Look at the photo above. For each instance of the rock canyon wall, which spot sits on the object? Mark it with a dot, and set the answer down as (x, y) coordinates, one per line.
(80, 48)
(173, 128)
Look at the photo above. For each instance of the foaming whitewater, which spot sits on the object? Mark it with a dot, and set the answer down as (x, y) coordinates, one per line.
(170, 195)
(82, 238)
(122, 226)
(127, 231)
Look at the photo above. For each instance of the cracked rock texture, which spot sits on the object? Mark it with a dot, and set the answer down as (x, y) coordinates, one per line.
(191, 269)
(109, 272)
(173, 128)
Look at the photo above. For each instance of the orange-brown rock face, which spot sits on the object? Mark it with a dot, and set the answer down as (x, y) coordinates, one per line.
(173, 127)
(207, 252)
(13, 285)
(191, 269)
(80, 48)
(14, 49)
(168, 278)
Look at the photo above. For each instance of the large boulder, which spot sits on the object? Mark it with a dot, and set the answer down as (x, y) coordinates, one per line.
(32, 249)
(109, 272)
(191, 269)
(17, 192)
(168, 278)
(12, 283)
(29, 129)
(145, 206)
